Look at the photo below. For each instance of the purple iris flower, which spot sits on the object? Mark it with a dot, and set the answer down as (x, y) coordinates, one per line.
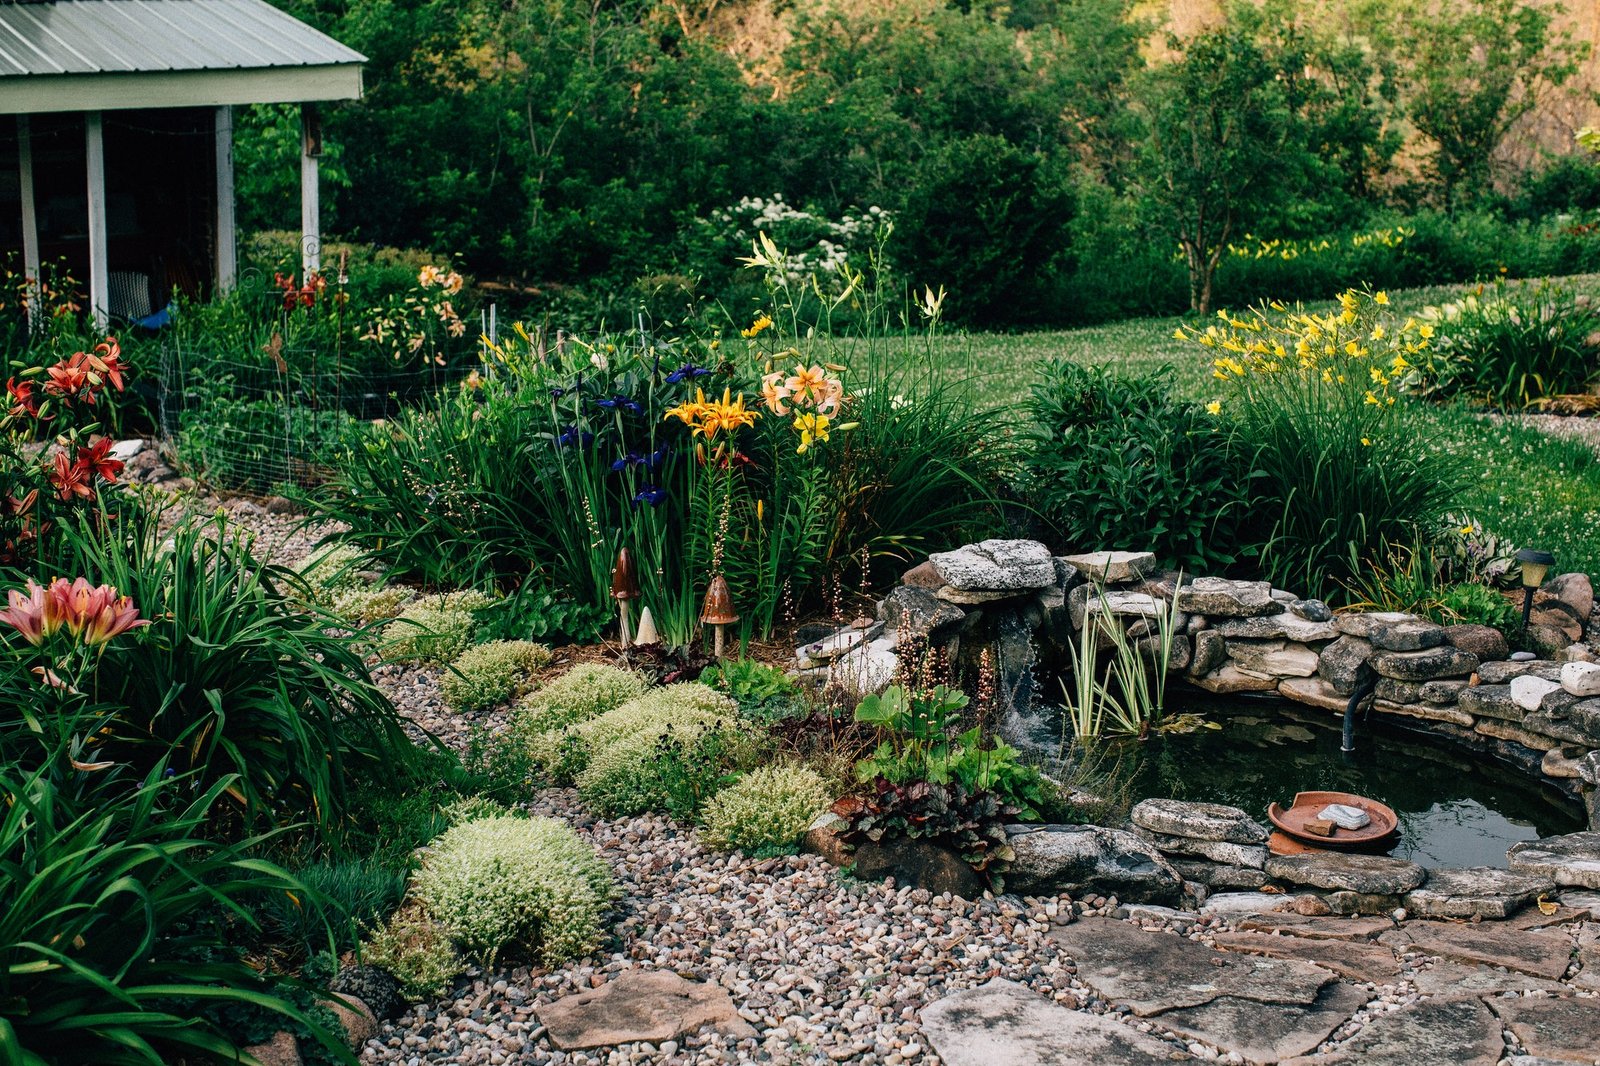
(633, 407)
(651, 495)
(687, 372)
(631, 459)
(572, 435)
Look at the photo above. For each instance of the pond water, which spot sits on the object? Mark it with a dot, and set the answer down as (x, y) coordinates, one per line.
(1456, 807)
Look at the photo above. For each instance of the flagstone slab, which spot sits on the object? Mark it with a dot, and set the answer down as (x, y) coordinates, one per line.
(1376, 875)
(1475, 892)
(1266, 1032)
(1534, 918)
(1150, 972)
(1001, 1023)
(1437, 1032)
(1565, 1028)
(1357, 961)
(653, 1005)
(1237, 904)
(1541, 954)
(1316, 928)
(1572, 860)
(1453, 979)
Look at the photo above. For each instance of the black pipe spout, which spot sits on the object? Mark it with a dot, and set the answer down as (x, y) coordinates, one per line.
(1368, 686)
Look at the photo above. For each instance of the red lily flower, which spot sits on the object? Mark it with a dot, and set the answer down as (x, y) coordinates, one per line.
(106, 361)
(97, 459)
(70, 378)
(71, 479)
(23, 400)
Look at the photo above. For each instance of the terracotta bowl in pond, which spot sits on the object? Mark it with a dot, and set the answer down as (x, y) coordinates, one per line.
(1377, 835)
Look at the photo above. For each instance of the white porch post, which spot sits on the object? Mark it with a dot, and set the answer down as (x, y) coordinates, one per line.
(30, 220)
(227, 255)
(99, 276)
(310, 204)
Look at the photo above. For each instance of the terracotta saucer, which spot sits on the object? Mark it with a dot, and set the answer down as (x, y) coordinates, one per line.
(1376, 835)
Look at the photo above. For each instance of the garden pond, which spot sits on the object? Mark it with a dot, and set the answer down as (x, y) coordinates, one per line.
(1456, 807)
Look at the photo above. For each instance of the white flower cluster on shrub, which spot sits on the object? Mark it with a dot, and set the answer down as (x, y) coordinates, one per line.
(766, 809)
(812, 243)
(530, 886)
(491, 673)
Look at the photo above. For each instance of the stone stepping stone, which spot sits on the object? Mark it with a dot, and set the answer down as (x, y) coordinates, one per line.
(652, 1005)
(1460, 1032)
(1475, 892)
(1319, 928)
(1200, 821)
(1266, 1032)
(1540, 954)
(1150, 972)
(1369, 875)
(1001, 1023)
(1572, 860)
(1358, 961)
(1453, 979)
(1564, 1028)
(1534, 918)
(1236, 904)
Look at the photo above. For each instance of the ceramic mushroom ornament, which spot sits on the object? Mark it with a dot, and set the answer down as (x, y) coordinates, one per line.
(625, 589)
(718, 613)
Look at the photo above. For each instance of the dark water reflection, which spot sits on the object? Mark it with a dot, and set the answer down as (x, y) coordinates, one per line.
(1456, 807)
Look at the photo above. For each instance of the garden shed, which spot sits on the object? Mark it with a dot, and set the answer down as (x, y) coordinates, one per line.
(119, 161)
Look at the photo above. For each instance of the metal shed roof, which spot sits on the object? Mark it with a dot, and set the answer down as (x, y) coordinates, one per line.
(70, 55)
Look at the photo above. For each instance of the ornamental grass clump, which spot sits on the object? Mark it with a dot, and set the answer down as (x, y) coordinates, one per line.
(1339, 469)
(766, 810)
(491, 673)
(528, 887)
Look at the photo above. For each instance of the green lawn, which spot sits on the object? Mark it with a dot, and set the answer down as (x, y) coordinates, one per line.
(1535, 490)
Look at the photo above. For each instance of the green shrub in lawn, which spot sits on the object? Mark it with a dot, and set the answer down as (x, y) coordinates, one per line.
(525, 886)
(766, 810)
(1116, 461)
(491, 673)
(1339, 469)
(1510, 344)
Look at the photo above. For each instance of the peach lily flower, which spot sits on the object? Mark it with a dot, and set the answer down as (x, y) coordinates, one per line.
(774, 392)
(809, 384)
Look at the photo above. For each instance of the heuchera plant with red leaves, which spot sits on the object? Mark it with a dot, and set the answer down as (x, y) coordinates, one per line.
(57, 405)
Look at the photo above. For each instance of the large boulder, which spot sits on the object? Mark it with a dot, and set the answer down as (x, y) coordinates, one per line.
(914, 611)
(1486, 642)
(921, 863)
(1077, 859)
(996, 566)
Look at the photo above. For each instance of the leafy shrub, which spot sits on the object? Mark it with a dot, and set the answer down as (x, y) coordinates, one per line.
(109, 922)
(764, 693)
(584, 692)
(1510, 344)
(369, 606)
(491, 673)
(924, 783)
(417, 951)
(1120, 462)
(1313, 401)
(426, 634)
(1480, 605)
(766, 810)
(541, 613)
(529, 886)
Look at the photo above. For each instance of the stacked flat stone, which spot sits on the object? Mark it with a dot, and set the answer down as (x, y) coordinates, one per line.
(1208, 843)
(1250, 636)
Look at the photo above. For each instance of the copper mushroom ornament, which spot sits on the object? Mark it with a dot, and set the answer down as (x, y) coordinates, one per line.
(718, 612)
(624, 588)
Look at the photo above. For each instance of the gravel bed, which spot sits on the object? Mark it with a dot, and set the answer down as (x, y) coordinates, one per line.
(1585, 430)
